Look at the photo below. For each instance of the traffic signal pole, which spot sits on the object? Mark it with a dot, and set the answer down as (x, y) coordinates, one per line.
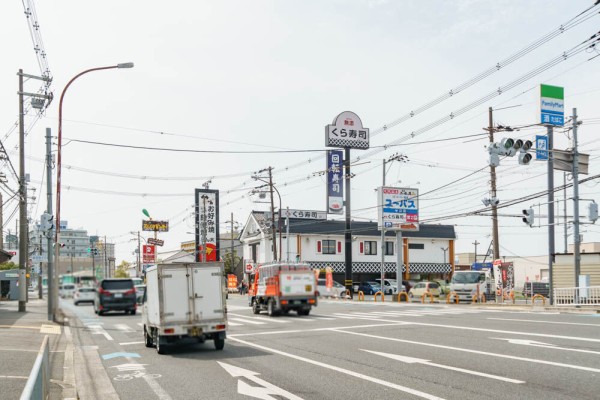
(493, 204)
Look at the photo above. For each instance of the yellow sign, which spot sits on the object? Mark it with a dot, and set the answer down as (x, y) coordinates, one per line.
(155, 226)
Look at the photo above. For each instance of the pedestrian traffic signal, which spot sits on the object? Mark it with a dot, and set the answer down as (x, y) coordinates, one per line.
(46, 222)
(529, 216)
(593, 212)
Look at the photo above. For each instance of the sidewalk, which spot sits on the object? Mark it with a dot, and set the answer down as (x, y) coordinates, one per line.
(21, 336)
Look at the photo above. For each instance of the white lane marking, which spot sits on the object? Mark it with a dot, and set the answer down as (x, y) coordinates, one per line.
(318, 329)
(233, 323)
(317, 317)
(263, 318)
(264, 391)
(14, 376)
(248, 321)
(583, 339)
(360, 317)
(128, 343)
(533, 343)
(51, 329)
(124, 328)
(545, 322)
(411, 360)
(99, 330)
(140, 324)
(439, 346)
(342, 370)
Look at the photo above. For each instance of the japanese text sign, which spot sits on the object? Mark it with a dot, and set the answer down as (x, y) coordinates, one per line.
(552, 105)
(335, 182)
(398, 208)
(149, 254)
(207, 223)
(152, 226)
(347, 131)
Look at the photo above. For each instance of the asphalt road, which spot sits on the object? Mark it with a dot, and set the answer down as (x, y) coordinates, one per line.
(351, 350)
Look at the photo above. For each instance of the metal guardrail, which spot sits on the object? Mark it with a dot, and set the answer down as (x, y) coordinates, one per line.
(577, 296)
(38, 383)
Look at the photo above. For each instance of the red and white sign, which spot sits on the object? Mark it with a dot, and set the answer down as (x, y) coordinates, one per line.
(149, 254)
(249, 268)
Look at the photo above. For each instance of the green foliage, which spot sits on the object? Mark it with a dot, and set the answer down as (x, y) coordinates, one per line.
(229, 265)
(8, 265)
(121, 270)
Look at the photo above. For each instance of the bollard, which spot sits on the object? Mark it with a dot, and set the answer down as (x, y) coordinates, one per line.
(361, 296)
(426, 294)
(456, 299)
(402, 294)
(382, 297)
(538, 296)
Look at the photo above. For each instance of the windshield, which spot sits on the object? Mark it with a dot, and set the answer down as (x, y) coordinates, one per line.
(466, 277)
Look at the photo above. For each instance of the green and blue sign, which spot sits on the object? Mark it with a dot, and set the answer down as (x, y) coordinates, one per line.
(552, 105)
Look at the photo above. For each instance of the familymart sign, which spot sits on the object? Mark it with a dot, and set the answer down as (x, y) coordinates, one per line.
(552, 105)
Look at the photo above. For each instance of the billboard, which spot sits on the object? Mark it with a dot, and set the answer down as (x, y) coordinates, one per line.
(207, 224)
(398, 208)
(335, 181)
(155, 226)
(347, 131)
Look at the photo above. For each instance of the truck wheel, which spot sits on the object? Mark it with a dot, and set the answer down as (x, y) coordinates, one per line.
(160, 349)
(304, 311)
(219, 344)
(271, 308)
(147, 338)
(255, 307)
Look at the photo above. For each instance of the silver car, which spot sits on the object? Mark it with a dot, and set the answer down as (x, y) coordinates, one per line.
(83, 295)
(337, 290)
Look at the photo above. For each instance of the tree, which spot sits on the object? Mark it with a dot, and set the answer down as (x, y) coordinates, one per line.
(229, 265)
(121, 271)
(8, 265)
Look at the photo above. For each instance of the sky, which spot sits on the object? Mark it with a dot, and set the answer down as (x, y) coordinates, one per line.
(244, 83)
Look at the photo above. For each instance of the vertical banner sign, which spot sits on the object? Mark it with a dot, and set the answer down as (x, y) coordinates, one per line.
(541, 147)
(207, 220)
(335, 182)
(328, 278)
(149, 254)
(400, 208)
(552, 105)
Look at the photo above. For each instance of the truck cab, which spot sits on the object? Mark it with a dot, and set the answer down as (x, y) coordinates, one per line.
(467, 284)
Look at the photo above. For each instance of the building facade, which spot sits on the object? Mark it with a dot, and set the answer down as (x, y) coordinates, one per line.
(427, 253)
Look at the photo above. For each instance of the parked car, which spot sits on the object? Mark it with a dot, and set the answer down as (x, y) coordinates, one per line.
(369, 287)
(115, 295)
(390, 286)
(425, 286)
(139, 293)
(337, 290)
(84, 295)
(542, 288)
(66, 290)
(444, 286)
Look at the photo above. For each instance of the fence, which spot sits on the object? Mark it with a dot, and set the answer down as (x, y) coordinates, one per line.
(38, 383)
(577, 296)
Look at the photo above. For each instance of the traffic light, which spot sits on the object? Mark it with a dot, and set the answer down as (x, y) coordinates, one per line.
(46, 222)
(529, 216)
(593, 212)
(524, 155)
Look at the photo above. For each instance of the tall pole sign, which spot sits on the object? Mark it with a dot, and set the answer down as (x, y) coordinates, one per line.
(347, 132)
(207, 225)
(335, 182)
(552, 105)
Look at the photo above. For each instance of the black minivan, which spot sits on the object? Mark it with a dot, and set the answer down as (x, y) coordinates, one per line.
(115, 295)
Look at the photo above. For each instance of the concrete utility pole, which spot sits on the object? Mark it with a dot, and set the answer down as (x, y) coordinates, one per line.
(52, 275)
(22, 203)
(139, 248)
(273, 214)
(577, 239)
(232, 254)
(493, 204)
(551, 240)
(476, 243)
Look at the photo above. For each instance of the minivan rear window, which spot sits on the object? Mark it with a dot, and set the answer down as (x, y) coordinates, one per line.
(118, 285)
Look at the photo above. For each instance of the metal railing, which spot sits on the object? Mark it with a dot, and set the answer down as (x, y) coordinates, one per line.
(577, 296)
(38, 383)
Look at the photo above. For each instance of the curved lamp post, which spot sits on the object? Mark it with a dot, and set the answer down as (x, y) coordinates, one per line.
(58, 160)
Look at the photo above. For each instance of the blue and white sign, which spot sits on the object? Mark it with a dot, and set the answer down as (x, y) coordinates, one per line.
(552, 105)
(398, 208)
(541, 147)
(335, 181)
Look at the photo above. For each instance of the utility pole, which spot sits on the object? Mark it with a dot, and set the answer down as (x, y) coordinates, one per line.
(232, 254)
(1, 224)
(272, 214)
(476, 243)
(577, 239)
(494, 196)
(52, 275)
(566, 244)
(139, 248)
(22, 203)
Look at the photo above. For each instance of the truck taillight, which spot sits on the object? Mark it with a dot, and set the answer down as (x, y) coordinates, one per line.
(169, 331)
(284, 301)
(221, 326)
(311, 301)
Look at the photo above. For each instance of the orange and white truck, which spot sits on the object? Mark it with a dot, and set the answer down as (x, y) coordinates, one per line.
(280, 287)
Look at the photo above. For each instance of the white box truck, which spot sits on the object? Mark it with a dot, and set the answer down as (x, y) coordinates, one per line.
(184, 300)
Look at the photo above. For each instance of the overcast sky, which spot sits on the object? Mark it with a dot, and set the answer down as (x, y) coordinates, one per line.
(269, 75)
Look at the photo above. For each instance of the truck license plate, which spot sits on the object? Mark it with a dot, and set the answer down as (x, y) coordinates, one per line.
(308, 288)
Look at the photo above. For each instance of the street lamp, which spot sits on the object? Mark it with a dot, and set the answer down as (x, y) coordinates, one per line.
(59, 159)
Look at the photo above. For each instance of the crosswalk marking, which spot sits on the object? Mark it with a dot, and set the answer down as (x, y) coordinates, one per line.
(248, 321)
(124, 328)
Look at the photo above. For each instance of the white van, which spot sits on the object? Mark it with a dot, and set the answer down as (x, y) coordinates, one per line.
(66, 290)
(390, 286)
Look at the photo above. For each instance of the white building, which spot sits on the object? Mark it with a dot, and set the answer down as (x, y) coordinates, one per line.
(428, 253)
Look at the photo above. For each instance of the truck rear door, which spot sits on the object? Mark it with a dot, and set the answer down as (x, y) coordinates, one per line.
(208, 293)
(297, 284)
(175, 295)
